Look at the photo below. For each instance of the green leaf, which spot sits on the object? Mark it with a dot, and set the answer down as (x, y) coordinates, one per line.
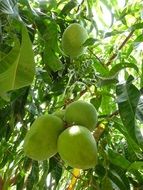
(106, 103)
(20, 181)
(52, 61)
(141, 77)
(139, 110)
(42, 184)
(139, 136)
(137, 165)
(106, 184)
(55, 168)
(7, 60)
(116, 180)
(135, 147)
(100, 170)
(8, 7)
(139, 38)
(33, 177)
(122, 174)
(90, 42)
(57, 173)
(99, 67)
(120, 66)
(68, 7)
(130, 153)
(96, 101)
(137, 26)
(117, 159)
(21, 71)
(113, 33)
(138, 175)
(52, 164)
(127, 99)
(50, 55)
(104, 81)
(4, 96)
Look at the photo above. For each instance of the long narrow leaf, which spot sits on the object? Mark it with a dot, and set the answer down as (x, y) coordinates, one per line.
(133, 145)
(118, 159)
(139, 111)
(116, 180)
(22, 69)
(127, 99)
(138, 165)
(121, 66)
(7, 59)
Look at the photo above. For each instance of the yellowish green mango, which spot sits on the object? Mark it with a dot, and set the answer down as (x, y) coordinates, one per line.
(77, 147)
(40, 142)
(73, 39)
(81, 113)
(60, 114)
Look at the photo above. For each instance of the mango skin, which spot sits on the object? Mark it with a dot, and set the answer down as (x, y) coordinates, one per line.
(60, 114)
(77, 147)
(73, 39)
(40, 142)
(81, 113)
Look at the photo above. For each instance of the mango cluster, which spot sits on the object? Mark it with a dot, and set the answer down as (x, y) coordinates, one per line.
(67, 132)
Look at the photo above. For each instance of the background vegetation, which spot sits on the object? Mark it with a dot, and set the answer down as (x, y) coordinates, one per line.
(36, 77)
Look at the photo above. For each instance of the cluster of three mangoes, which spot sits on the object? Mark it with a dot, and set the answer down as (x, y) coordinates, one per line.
(68, 132)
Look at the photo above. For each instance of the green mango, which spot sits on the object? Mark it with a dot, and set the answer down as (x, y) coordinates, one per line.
(73, 39)
(60, 114)
(40, 142)
(81, 113)
(77, 147)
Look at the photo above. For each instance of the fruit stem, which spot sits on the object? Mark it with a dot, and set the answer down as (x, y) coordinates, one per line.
(99, 131)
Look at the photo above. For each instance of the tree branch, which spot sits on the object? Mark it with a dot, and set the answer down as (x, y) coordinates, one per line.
(114, 55)
(116, 112)
(96, 57)
(79, 6)
(101, 126)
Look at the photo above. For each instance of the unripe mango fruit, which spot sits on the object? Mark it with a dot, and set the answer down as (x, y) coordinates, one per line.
(73, 39)
(81, 113)
(40, 142)
(77, 147)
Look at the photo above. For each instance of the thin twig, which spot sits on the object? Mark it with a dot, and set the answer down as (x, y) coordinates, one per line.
(114, 55)
(68, 101)
(116, 112)
(125, 41)
(96, 57)
(113, 114)
(79, 6)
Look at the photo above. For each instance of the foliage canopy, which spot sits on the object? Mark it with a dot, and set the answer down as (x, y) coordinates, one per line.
(36, 77)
